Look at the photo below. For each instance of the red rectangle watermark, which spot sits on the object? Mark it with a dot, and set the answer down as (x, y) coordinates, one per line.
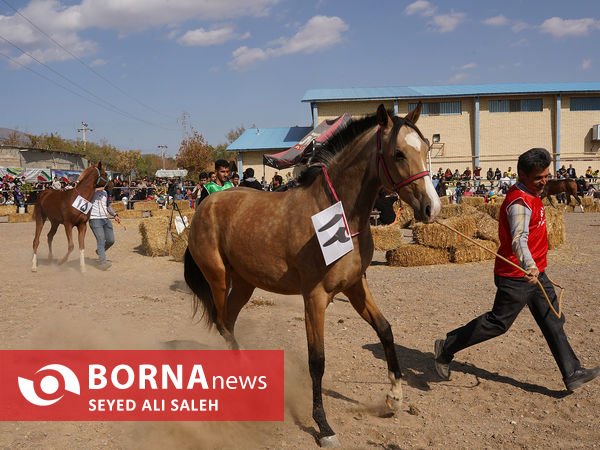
(115, 385)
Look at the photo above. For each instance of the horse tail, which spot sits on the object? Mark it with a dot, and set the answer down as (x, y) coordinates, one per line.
(197, 282)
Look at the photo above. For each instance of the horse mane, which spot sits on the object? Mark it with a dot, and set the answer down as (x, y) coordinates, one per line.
(326, 153)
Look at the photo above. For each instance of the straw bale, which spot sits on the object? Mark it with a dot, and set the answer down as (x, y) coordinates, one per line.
(594, 207)
(183, 204)
(405, 216)
(18, 218)
(408, 255)
(153, 232)
(131, 214)
(487, 227)
(180, 245)
(436, 236)
(387, 237)
(5, 210)
(118, 206)
(471, 200)
(455, 210)
(491, 209)
(162, 213)
(555, 224)
(149, 205)
(445, 200)
(469, 252)
(587, 202)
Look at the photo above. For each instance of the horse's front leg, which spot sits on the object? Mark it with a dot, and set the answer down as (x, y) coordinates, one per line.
(81, 229)
(69, 233)
(315, 304)
(362, 301)
(51, 233)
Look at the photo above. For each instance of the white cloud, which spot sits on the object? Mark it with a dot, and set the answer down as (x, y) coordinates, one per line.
(586, 64)
(204, 38)
(520, 43)
(468, 66)
(421, 7)
(496, 21)
(444, 23)
(568, 27)
(319, 33)
(64, 23)
(458, 78)
(520, 26)
(98, 62)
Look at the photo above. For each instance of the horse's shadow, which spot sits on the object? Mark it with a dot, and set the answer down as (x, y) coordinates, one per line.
(418, 371)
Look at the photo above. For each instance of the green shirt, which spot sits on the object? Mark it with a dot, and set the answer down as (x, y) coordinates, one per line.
(211, 188)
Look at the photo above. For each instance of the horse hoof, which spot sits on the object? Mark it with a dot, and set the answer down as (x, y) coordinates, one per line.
(393, 402)
(34, 269)
(329, 441)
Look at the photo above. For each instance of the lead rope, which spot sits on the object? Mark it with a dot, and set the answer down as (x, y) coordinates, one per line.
(337, 200)
(558, 313)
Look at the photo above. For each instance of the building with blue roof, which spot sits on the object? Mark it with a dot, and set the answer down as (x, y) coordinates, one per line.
(486, 125)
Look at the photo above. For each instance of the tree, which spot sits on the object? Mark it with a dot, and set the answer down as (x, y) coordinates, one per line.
(194, 154)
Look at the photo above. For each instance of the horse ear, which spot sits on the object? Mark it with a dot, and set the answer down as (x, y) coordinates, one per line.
(414, 115)
(99, 166)
(383, 119)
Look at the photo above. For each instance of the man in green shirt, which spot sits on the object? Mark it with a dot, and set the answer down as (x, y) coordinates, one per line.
(221, 183)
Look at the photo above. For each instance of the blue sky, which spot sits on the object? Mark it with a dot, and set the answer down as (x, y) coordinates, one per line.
(131, 68)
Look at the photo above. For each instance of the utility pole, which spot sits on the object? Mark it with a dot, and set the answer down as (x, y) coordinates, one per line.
(162, 150)
(84, 127)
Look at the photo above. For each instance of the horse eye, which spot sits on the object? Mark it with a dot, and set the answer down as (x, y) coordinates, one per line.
(399, 155)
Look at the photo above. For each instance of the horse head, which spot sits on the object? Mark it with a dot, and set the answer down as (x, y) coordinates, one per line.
(402, 162)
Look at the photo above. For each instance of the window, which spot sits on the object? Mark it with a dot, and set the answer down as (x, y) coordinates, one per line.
(438, 108)
(529, 104)
(585, 104)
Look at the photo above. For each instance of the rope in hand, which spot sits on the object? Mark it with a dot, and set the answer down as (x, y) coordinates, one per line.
(558, 313)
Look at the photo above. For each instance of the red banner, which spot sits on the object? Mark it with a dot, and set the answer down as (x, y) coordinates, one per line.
(203, 385)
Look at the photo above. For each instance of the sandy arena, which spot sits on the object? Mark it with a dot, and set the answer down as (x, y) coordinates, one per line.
(505, 393)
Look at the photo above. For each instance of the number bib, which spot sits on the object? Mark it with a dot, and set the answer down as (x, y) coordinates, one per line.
(82, 205)
(332, 233)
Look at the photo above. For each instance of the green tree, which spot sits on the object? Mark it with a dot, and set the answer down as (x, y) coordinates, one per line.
(194, 154)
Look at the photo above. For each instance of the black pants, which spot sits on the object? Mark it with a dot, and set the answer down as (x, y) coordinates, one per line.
(512, 295)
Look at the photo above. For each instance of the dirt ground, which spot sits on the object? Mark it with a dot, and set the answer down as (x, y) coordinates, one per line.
(505, 393)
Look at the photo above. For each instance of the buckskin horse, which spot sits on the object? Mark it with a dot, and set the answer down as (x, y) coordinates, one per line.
(57, 206)
(228, 244)
(565, 185)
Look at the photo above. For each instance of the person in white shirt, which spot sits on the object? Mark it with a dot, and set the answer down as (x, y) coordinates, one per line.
(101, 226)
(56, 184)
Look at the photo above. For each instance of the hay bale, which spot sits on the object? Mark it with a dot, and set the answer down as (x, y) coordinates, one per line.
(445, 200)
(5, 210)
(179, 246)
(387, 237)
(149, 205)
(471, 200)
(555, 224)
(183, 205)
(437, 236)
(491, 209)
(162, 213)
(487, 227)
(470, 252)
(409, 255)
(19, 218)
(153, 232)
(131, 214)
(118, 206)
(405, 216)
(455, 210)
(587, 202)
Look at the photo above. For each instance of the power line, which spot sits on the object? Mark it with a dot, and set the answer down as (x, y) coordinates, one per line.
(110, 105)
(87, 66)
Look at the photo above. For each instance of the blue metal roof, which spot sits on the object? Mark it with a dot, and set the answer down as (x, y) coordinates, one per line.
(467, 90)
(268, 138)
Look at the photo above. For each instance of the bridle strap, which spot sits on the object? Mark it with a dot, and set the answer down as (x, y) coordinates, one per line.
(100, 177)
(381, 162)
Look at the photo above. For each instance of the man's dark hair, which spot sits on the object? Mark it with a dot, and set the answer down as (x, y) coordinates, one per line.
(534, 159)
(203, 175)
(249, 172)
(221, 163)
(278, 178)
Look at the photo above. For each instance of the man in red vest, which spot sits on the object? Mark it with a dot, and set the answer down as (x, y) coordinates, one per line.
(523, 241)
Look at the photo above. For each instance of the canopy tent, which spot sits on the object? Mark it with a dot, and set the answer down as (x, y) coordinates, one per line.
(319, 135)
(162, 173)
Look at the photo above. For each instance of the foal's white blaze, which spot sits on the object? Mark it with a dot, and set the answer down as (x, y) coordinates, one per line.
(413, 140)
(436, 205)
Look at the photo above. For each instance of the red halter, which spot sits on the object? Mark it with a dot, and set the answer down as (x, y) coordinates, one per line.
(381, 162)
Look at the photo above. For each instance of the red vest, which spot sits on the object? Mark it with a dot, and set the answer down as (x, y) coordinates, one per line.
(538, 235)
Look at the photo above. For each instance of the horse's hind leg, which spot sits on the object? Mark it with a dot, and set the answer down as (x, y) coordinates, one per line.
(39, 224)
(51, 233)
(362, 301)
(69, 233)
(314, 311)
(240, 293)
(578, 201)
